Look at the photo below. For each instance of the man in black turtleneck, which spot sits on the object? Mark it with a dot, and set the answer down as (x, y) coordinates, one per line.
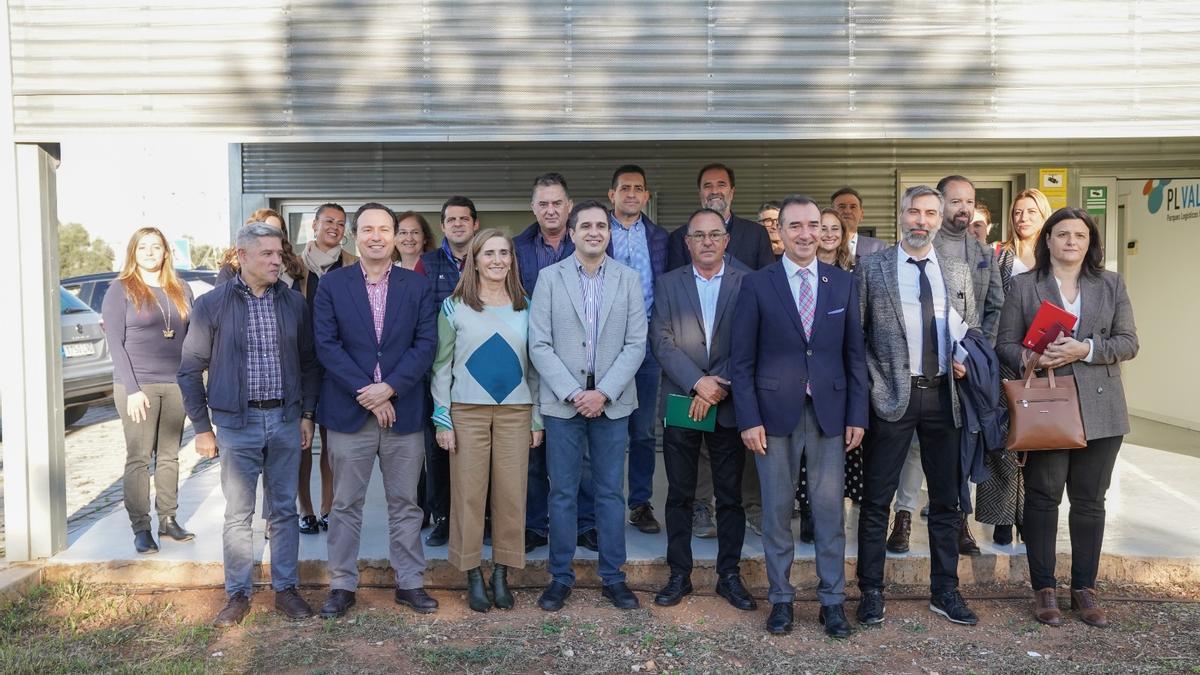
(954, 240)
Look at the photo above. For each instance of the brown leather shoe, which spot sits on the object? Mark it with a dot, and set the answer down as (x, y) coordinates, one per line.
(1088, 605)
(1045, 607)
(966, 540)
(290, 603)
(901, 529)
(235, 609)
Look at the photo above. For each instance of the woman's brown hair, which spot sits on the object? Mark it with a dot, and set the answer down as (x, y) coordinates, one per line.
(843, 259)
(137, 291)
(292, 264)
(467, 289)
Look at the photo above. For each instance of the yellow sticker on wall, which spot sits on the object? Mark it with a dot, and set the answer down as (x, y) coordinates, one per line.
(1053, 184)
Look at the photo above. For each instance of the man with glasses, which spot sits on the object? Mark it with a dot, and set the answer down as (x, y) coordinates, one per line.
(641, 245)
(321, 255)
(690, 334)
(768, 217)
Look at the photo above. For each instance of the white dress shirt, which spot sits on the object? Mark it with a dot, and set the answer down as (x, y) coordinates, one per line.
(708, 290)
(909, 277)
(1075, 308)
(793, 276)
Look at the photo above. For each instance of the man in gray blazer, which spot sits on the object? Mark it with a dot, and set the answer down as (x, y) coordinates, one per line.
(587, 339)
(690, 330)
(913, 303)
(849, 206)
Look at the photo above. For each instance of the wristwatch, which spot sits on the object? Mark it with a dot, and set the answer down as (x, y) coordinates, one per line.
(308, 415)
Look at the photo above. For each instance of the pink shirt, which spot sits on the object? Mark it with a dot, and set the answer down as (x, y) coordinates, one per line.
(377, 297)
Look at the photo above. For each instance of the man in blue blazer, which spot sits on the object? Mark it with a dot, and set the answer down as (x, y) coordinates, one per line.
(641, 245)
(376, 334)
(800, 392)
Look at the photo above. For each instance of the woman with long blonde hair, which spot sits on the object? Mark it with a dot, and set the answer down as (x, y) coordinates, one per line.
(486, 412)
(145, 312)
(1029, 210)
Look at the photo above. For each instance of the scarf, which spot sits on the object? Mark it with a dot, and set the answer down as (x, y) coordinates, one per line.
(318, 261)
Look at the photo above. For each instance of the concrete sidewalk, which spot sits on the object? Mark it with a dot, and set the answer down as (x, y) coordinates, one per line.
(1153, 537)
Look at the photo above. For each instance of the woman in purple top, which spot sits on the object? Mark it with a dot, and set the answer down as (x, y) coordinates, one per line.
(145, 320)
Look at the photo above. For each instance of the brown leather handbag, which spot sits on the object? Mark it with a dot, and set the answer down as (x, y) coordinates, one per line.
(1043, 413)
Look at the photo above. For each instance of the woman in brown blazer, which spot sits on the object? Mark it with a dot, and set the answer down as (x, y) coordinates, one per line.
(1069, 272)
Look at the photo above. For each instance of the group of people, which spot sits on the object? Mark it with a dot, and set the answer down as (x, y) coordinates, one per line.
(519, 378)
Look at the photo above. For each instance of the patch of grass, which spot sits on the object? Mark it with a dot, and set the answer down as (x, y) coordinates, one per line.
(195, 634)
(448, 656)
(554, 626)
(627, 630)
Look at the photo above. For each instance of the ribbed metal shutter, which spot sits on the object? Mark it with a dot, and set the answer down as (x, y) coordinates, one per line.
(764, 171)
(374, 70)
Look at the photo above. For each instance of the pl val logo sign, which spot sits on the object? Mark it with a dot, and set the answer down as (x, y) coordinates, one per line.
(1178, 201)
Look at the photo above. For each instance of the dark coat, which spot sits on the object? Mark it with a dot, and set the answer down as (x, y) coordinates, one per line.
(748, 242)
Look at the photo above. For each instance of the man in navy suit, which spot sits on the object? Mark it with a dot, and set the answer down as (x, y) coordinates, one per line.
(640, 244)
(800, 393)
(376, 335)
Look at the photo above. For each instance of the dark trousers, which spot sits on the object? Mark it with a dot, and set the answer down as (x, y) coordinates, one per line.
(437, 479)
(156, 439)
(641, 432)
(929, 414)
(727, 456)
(537, 495)
(1086, 474)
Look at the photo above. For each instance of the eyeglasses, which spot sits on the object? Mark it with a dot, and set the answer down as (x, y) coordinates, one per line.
(709, 236)
(769, 222)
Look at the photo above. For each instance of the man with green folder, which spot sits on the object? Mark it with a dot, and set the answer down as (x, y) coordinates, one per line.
(689, 333)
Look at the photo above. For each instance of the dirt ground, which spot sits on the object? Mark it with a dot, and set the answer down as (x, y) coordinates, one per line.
(72, 627)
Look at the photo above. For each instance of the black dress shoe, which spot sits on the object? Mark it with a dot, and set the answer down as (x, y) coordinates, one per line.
(588, 540)
(236, 608)
(673, 593)
(620, 596)
(533, 541)
(870, 608)
(554, 596)
(440, 533)
(642, 517)
(337, 603)
(309, 525)
(324, 522)
(144, 542)
(417, 599)
(780, 620)
(291, 604)
(966, 540)
(730, 587)
(833, 617)
(952, 606)
(808, 534)
(169, 527)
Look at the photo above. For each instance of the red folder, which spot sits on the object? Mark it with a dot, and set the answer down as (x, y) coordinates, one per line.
(1049, 322)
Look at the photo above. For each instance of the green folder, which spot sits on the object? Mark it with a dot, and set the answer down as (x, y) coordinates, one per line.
(677, 414)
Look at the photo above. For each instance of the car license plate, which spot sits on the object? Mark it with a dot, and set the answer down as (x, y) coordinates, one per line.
(79, 349)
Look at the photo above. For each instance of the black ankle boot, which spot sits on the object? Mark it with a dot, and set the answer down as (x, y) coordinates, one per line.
(477, 595)
(1003, 535)
(503, 597)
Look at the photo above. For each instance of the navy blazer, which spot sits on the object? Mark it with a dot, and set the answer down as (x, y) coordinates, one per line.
(346, 346)
(524, 244)
(772, 360)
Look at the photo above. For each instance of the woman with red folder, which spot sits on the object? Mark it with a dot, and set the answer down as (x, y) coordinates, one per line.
(1069, 272)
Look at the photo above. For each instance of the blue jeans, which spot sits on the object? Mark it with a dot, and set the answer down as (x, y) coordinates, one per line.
(641, 432)
(569, 442)
(269, 446)
(537, 495)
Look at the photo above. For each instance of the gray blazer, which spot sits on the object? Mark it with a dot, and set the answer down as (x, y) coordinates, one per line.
(556, 338)
(985, 276)
(1106, 318)
(887, 341)
(677, 334)
(868, 245)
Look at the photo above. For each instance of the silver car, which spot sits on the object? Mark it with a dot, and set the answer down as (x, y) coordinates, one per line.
(87, 365)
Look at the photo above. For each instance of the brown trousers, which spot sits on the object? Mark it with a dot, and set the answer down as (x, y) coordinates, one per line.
(492, 450)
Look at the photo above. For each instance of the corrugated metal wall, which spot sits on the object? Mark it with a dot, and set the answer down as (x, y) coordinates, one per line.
(375, 70)
(433, 171)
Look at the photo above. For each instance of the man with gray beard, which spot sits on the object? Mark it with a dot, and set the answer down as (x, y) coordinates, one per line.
(913, 303)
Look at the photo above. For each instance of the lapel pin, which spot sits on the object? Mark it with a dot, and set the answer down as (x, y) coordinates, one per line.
(824, 280)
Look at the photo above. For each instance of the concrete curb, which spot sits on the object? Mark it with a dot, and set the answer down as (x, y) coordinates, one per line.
(910, 569)
(16, 580)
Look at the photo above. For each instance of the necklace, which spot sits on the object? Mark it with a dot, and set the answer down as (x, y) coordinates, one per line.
(168, 332)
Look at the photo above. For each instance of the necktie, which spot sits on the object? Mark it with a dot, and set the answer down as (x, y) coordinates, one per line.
(929, 341)
(806, 302)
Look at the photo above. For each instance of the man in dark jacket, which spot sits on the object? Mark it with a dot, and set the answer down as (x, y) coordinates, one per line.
(443, 266)
(254, 338)
(748, 241)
